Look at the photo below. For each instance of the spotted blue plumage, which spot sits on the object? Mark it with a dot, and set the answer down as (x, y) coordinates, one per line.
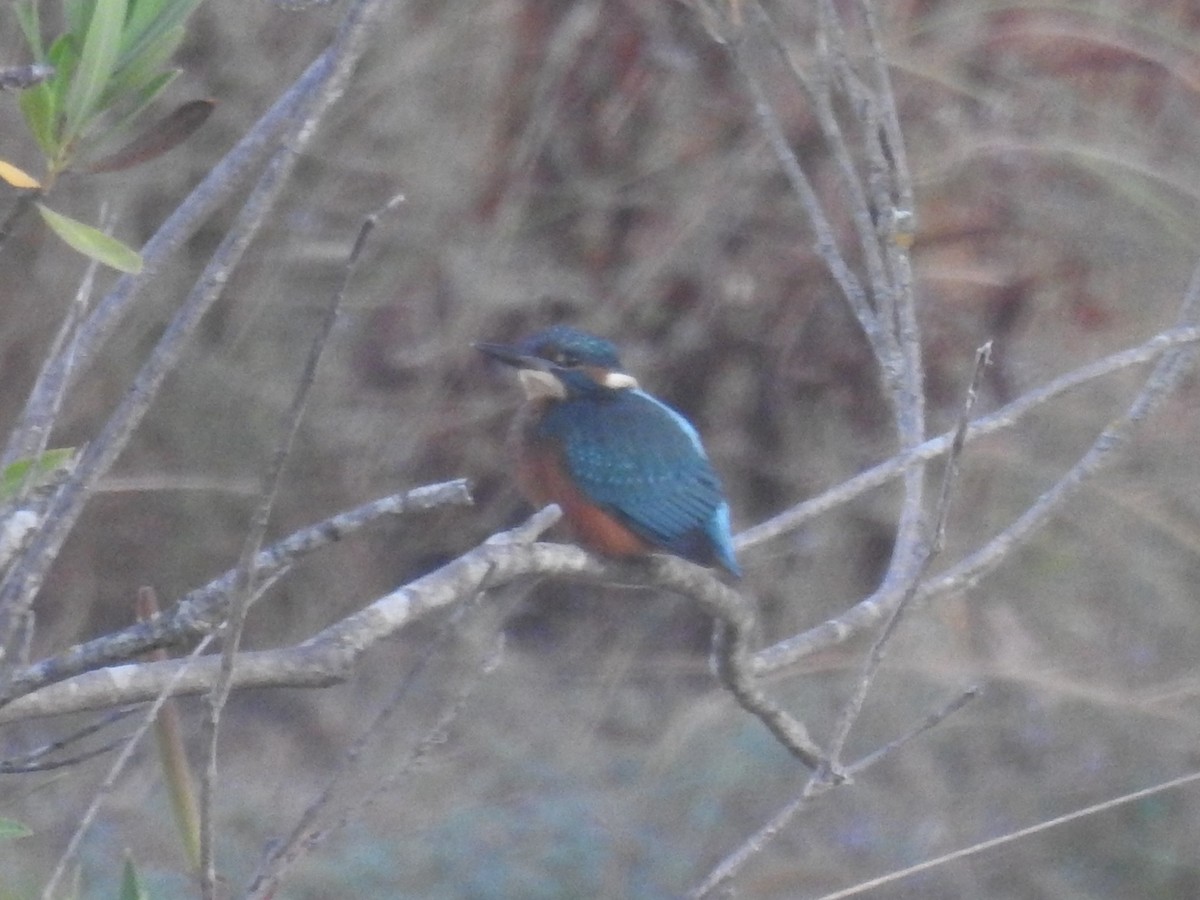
(624, 452)
(643, 463)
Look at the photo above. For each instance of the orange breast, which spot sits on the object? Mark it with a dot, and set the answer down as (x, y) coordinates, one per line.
(543, 480)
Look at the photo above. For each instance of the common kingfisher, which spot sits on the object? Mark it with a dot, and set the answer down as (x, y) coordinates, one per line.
(628, 472)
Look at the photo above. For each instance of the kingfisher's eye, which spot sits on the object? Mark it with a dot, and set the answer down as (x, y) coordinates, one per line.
(563, 358)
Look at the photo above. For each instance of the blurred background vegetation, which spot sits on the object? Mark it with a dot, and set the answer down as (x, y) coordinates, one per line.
(599, 162)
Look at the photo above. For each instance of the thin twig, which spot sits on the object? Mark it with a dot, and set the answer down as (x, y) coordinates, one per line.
(928, 551)
(730, 650)
(890, 114)
(37, 759)
(983, 358)
(177, 772)
(751, 847)
(114, 772)
(225, 180)
(932, 720)
(245, 585)
(12, 767)
(821, 780)
(1005, 417)
(24, 579)
(203, 609)
(817, 88)
(826, 243)
(40, 421)
(983, 846)
(1104, 452)
(757, 842)
(1165, 378)
(304, 834)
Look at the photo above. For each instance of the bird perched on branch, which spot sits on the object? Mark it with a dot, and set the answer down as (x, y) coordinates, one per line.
(628, 471)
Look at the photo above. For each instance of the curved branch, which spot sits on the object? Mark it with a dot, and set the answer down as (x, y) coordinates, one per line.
(22, 582)
(1105, 450)
(202, 610)
(800, 514)
(330, 656)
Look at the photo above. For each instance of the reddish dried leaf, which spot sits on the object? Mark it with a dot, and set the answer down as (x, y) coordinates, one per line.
(164, 135)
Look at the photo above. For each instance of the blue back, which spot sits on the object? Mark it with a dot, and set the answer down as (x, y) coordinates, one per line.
(643, 463)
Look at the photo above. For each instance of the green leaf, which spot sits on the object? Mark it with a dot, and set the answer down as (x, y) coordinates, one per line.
(131, 884)
(11, 829)
(37, 470)
(171, 14)
(92, 242)
(37, 107)
(148, 94)
(64, 56)
(31, 27)
(145, 67)
(79, 14)
(42, 105)
(97, 60)
(142, 15)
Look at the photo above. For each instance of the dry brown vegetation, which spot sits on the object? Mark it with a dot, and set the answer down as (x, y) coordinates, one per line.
(604, 163)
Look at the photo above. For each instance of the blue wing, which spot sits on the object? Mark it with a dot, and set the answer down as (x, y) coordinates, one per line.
(643, 463)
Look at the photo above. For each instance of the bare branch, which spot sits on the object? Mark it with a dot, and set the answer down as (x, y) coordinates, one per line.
(757, 842)
(817, 88)
(38, 760)
(732, 655)
(202, 610)
(983, 358)
(926, 552)
(245, 585)
(891, 325)
(1106, 449)
(305, 835)
(224, 181)
(852, 290)
(114, 772)
(24, 579)
(822, 781)
(38, 421)
(965, 852)
(330, 656)
(932, 720)
(1005, 417)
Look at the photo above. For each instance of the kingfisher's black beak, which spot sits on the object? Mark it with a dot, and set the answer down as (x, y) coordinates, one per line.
(510, 356)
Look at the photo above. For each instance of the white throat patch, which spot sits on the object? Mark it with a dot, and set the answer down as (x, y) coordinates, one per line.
(538, 385)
